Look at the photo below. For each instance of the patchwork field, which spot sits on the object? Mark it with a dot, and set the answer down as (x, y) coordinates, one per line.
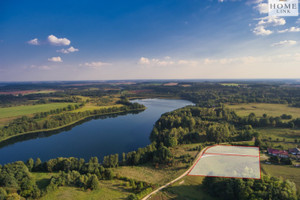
(264, 108)
(28, 110)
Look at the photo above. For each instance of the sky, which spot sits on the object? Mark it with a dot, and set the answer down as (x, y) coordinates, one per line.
(145, 39)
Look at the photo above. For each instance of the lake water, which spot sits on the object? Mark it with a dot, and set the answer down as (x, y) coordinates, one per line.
(94, 137)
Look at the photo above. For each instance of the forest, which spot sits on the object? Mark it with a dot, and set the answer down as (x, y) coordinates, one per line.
(209, 121)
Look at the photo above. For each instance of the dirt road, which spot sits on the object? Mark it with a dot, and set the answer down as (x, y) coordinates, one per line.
(176, 179)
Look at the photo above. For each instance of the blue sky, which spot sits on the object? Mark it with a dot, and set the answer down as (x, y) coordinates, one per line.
(145, 39)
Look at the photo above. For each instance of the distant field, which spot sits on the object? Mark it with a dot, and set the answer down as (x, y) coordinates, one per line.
(284, 171)
(28, 110)
(264, 108)
(25, 92)
(230, 84)
(288, 134)
(93, 107)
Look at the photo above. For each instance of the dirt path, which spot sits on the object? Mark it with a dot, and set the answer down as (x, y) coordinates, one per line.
(176, 179)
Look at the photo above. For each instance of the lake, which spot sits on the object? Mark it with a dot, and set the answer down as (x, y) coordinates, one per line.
(95, 137)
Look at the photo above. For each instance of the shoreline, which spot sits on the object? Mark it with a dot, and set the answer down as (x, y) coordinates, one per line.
(67, 125)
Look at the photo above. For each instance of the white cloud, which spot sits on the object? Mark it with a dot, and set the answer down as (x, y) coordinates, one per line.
(260, 30)
(39, 67)
(298, 21)
(95, 65)
(292, 30)
(262, 8)
(144, 61)
(55, 59)
(285, 43)
(167, 61)
(69, 50)
(264, 22)
(34, 41)
(53, 40)
(250, 2)
(271, 21)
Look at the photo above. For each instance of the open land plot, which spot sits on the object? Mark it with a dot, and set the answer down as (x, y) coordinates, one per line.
(228, 161)
(108, 190)
(284, 171)
(265, 108)
(289, 135)
(186, 188)
(31, 109)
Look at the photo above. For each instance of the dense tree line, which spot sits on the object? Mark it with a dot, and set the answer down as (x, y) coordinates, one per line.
(194, 124)
(219, 124)
(29, 124)
(16, 177)
(214, 94)
(250, 189)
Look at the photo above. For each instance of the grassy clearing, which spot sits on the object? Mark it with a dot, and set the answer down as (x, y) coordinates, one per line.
(28, 110)
(288, 135)
(284, 171)
(264, 108)
(188, 187)
(108, 190)
(42, 179)
(160, 176)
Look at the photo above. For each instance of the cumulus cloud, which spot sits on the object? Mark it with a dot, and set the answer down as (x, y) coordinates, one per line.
(144, 61)
(291, 30)
(69, 50)
(260, 30)
(271, 21)
(262, 8)
(264, 22)
(53, 40)
(95, 65)
(55, 59)
(284, 43)
(250, 2)
(34, 41)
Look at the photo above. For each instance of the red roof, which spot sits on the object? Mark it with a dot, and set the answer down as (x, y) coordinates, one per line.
(276, 151)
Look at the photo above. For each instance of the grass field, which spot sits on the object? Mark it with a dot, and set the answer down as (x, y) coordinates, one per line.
(72, 193)
(28, 110)
(264, 108)
(289, 135)
(109, 189)
(186, 188)
(230, 84)
(42, 179)
(284, 171)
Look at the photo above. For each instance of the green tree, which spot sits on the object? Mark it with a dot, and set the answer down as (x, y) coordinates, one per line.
(93, 182)
(30, 164)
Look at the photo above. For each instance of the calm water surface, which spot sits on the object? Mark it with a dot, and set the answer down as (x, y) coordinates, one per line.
(96, 137)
